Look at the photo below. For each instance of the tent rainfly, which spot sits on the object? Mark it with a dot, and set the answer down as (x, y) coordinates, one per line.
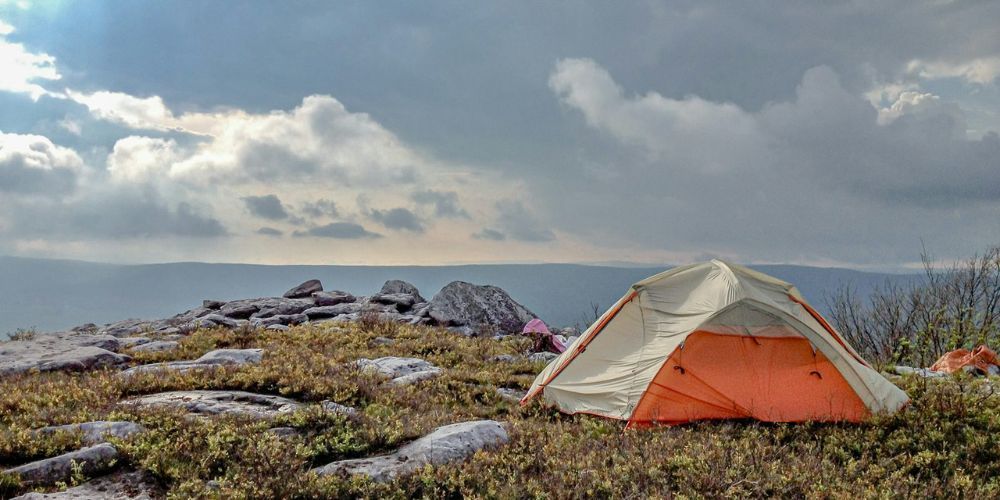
(714, 341)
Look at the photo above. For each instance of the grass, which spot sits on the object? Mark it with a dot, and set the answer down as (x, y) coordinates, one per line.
(946, 444)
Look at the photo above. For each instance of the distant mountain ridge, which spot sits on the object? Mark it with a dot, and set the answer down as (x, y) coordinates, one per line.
(52, 295)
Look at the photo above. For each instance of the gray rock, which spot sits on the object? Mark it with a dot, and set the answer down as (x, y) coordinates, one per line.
(415, 377)
(400, 371)
(238, 309)
(446, 444)
(399, 286)
(85, 328)
(461, 303)
(96, 432)
(542, 356)
(504, 358)
(383, 341)
(332, 298)
(92, 460)
(402, 301)
(212, 304)
(392, 366)
(211, 359)
(206, 403)
(920, 372)
(215, 320)
(339, 408)
(66, 351)
(284, 319)
(322, 312)
(304, 290)
(278, 328)
(124, 485)
(130, 342)
(156, 346)
(514, 395)
(280, 306)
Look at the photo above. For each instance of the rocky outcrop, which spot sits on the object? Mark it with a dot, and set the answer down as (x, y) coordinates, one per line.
(512, 395)
(91, 460)
(460, 303)
(206, 403)
(156, 346)
(304, 290)
(332, 298)
(68, 351)
(211, 359)
(393, 287)
(96, 432)
(400, 371)
(446, 444)
(124, 485)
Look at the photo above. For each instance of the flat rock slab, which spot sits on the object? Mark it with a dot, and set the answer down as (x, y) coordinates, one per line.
(67, 351)
(211, 359)
(125, 485)
(446, 444)
(207, 403)
(96, 432)
(92, 460)
(400, 371)
(156, 346)
(542, 356)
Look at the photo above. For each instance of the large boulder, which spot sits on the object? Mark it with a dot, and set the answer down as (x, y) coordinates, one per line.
(90, 461)
(65, 351)
(399, 286)
(304, 290)
(460, 303)
(446, 444)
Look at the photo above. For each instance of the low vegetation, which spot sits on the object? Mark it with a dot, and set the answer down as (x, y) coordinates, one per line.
(953, 307)
(946, 443)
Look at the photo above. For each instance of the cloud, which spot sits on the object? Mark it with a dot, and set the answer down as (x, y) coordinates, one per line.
(142, 159)
(20, 69)
(981, 70)
(31, 164)
(270, 231)
(320, 208)
(445, 202)
(339, 230)
(397, 218)
(318, 140)
(489, 234)
(111, 215)
(266, 207)
(825, 156)
(516, 222)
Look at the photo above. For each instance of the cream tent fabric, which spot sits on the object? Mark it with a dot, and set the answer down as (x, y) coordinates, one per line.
(608, 371)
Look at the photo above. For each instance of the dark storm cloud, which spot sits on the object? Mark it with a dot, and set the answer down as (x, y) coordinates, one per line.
(266, 207)
(397, 218)
(113, 215)
(339, 230)
(445, 203)
(320, 208)
(270, 231)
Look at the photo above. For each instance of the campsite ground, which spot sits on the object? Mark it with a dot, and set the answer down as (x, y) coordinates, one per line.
(945, 444)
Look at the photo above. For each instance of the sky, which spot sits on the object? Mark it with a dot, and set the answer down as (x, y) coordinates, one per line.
(828, 133)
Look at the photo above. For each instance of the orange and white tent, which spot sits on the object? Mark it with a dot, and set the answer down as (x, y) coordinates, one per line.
(714, 341)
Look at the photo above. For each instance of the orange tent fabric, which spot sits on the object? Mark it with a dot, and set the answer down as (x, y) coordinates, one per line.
(773, 379)
(981, 358)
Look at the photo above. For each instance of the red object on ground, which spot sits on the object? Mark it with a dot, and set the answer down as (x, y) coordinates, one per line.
(981, 357)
